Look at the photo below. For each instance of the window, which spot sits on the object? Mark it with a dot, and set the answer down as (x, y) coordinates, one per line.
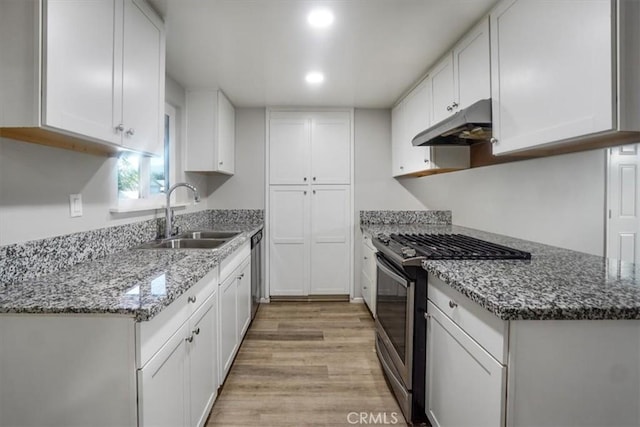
(142, 179)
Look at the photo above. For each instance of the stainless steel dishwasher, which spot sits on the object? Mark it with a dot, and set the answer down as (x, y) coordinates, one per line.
(256, 272)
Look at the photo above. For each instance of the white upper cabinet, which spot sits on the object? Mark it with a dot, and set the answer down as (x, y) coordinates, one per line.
(562, 71)
(441, 79)
(410, 117)
(210, 133)
(471, 67)
(143, 74)
(309, 148)
(102, 78)
(289, 150)
(330, 150)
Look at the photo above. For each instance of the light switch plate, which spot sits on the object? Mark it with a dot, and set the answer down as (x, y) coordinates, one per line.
(75, 205)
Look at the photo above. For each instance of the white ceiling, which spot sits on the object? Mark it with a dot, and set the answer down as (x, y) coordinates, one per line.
(258, 51)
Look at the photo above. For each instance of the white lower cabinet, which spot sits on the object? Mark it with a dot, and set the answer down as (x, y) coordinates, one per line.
(465, 384)
(368, 279)
(484, 371)
(163, 385)
(235, 306)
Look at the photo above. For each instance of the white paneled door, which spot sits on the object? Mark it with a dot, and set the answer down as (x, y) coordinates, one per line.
(330, 240)
(289, 151)
(289, 243)
(623, 222)
(330, 150)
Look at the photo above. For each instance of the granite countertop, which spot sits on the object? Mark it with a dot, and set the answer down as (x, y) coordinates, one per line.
(137, 282)
(556, 283)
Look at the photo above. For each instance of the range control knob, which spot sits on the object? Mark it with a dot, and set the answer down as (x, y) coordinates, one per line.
(408, 252)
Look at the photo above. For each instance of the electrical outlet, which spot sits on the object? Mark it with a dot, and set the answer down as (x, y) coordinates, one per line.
(75, 205)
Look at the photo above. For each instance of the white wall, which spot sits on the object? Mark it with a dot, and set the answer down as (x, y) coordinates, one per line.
(245, 189)
(556, 200)
(374, 187)
(35, 183)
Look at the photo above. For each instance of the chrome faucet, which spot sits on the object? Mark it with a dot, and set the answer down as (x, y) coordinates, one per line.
(168, 229)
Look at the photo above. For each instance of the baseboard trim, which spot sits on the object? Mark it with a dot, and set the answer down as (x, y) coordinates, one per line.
(310, 298)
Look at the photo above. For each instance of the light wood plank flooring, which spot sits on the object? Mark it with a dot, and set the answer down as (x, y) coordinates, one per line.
(305, 364)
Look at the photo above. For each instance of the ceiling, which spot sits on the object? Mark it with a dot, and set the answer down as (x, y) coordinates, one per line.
(258, 51)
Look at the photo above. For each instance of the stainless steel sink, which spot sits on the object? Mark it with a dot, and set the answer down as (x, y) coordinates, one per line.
(208, 234)
(180, 243)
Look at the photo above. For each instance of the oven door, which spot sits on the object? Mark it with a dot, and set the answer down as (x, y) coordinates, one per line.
(394, 317)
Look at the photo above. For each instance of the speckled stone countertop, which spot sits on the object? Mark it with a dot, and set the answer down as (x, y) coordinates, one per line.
(556, 283)
(134, 282)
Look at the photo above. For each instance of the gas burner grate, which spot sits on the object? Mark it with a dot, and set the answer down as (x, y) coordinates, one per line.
(456, 246)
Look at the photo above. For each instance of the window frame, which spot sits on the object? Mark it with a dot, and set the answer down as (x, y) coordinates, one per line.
(157, 201)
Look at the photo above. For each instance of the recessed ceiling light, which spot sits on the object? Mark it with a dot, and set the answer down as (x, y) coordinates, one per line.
(314, 77)
(320, 18)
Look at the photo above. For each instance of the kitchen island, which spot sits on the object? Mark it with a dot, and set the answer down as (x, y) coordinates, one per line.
(550, 341)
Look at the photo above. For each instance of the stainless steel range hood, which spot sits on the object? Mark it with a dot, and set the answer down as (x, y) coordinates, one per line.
(466, 127)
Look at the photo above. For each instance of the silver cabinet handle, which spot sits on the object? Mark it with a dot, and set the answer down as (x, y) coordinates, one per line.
(364, 287)
(131, 132)
(314, 191)
(426, 160)
(221, 163)
(191, 299)
(304, 179)
(401, 167)
(305, 192)
(449, 108)
(453, 304)
(366, 258)
(455, 105)
(314, 178)
(190, 339)
(197, 331)
(427, 316)
(493, 140)
(120, 127)
(241, 276)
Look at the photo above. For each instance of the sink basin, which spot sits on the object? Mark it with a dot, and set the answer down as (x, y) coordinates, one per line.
(181, 243)
(209, 234)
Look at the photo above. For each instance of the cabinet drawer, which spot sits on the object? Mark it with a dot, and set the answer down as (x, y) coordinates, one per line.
(488, 330)
(153, 334)
(233, 261)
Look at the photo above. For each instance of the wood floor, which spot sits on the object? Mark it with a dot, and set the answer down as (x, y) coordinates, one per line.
(306, 364)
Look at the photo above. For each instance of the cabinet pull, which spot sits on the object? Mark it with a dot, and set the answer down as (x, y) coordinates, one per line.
(455, 105)
(314, 178)
(493, 140)
(427, 316)
(364, 287)
(197, 331)
(314, 191)
(426, 160)
(305, 192)
(120, 128)
(131, 132)
(304, 179)
(191, 299)
(452, 304)
(449, 108)
(190, 339)
(366, 258)
(241, 276)
(221, 163)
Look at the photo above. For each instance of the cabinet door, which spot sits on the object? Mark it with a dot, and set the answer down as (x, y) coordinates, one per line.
(331, 149)
(228, 294)
(163, 385)
(142, 80)
(551, 71)
(471, 65)
(289, 151)
(289, 240)
(330, 240)
(203, 361)
(417, 114)
(244, 299)
(226, 135)
(441, 77)
(367, 276)
(397, 138)
(465, 385)
(79, 76)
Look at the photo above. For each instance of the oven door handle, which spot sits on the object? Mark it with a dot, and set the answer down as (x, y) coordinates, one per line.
(387, 269)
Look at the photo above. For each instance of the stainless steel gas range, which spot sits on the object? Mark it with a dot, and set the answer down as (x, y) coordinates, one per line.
(402, 303)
